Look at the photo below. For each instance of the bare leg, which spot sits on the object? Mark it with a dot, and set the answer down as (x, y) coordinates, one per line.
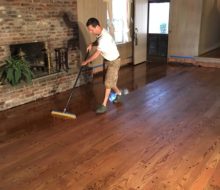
(117, 91)
(107, 93)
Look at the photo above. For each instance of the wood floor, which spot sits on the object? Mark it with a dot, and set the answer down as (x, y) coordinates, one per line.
(165, 135)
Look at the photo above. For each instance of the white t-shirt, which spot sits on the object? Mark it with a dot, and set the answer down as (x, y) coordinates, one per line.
(107, 46)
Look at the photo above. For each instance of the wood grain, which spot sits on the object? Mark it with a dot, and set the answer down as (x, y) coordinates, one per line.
(165, 135)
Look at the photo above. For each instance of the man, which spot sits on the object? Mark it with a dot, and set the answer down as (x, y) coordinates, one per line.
(106, 46)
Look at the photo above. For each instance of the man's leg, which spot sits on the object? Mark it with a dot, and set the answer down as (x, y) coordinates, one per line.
(107, 93)
(118, 98)
(103, 107)
(111, 78)
(116, 90)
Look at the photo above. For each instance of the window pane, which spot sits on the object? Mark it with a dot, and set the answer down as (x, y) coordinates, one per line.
(120, 21)
(159, 18)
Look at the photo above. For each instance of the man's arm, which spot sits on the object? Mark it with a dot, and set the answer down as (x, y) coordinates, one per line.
(92, 57)
(95, 43)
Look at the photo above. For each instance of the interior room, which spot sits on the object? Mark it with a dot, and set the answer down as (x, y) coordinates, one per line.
(110, 95)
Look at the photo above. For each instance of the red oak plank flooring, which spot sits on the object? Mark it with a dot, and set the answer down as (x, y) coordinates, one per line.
(165, 135)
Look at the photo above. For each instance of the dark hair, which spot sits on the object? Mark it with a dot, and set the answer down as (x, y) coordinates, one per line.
(93, 21)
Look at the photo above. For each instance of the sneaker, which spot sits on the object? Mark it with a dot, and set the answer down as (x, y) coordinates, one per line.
(101, 109)
(118, 99)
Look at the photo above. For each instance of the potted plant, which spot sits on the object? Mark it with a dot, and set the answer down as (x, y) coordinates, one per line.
(15, 70)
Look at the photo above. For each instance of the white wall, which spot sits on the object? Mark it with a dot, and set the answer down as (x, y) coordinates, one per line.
(85, 10)
(184, 31)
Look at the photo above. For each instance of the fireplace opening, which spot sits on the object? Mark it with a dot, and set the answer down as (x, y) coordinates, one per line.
(35, 54)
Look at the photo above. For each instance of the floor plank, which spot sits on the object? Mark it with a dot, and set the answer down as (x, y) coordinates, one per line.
(165, 135)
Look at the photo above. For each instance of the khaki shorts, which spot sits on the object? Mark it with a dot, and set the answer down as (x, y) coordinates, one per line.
(111, 76)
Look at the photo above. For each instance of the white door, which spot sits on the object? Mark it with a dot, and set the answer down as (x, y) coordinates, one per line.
(140, 31)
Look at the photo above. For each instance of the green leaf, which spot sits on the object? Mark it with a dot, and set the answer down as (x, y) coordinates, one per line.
(17, 75)
(15, 70)
(27, 77)
(10, 74)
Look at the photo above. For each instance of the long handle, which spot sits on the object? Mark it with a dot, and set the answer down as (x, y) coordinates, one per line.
(71, 94)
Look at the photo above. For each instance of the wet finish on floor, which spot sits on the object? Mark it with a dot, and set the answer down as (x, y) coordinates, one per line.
(165, 135)
(36, 115)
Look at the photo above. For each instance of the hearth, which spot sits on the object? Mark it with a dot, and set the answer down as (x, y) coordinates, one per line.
(35, 53)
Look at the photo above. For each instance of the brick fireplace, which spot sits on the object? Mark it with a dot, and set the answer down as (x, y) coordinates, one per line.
(39, 24)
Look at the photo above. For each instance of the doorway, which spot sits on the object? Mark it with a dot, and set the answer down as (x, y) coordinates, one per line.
(209, 42)
(157, 30)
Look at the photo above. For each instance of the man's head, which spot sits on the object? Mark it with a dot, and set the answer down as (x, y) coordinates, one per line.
(93, 26)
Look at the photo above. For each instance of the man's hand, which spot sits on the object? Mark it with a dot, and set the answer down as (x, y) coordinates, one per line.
(89, 47)
(84, 63)
(91, 58)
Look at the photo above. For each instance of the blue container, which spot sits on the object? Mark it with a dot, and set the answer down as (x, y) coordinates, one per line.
(112, 96)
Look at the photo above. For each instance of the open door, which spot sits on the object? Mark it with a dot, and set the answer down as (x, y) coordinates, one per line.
(158, 27)
(140, 31)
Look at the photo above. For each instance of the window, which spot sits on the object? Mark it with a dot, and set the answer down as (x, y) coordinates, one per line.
(159, 18)
(118, 20)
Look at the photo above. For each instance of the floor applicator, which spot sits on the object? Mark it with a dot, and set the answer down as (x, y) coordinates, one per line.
(65, 114)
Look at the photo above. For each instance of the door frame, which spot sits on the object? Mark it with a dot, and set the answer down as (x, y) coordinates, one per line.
(133, 32)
